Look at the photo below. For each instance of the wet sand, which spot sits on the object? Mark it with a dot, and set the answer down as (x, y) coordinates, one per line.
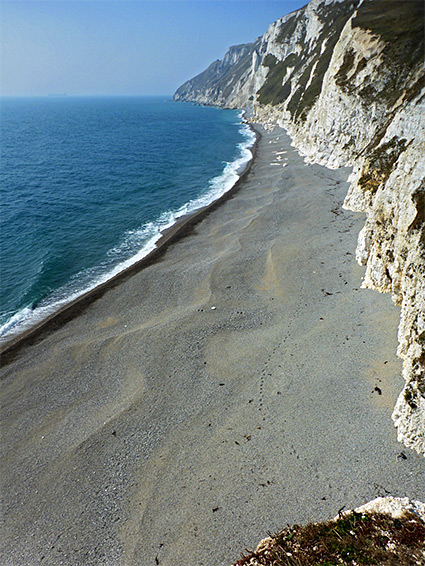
(239, 382)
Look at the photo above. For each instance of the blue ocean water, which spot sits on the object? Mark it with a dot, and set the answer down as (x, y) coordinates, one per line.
(87, 185)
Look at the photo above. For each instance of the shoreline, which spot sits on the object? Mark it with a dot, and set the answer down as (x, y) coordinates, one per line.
(9, 348)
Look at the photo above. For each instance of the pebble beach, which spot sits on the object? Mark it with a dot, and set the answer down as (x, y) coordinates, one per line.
(239, 381)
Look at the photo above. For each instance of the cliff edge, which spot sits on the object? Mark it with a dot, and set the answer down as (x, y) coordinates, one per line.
(346, 79)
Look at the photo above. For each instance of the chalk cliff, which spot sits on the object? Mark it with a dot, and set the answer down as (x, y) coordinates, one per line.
(346, 79)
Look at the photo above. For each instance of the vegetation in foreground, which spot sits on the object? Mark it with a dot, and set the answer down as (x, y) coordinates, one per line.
(352, 539)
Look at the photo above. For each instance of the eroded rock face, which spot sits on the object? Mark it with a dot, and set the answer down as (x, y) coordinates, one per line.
(347, 81)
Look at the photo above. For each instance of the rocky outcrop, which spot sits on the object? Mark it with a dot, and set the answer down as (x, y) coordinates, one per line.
(347, 81)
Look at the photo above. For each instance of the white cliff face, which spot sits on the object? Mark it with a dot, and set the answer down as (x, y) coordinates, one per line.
(391, 246)
(334, 117)
(223, 79)
(388, 185)
(347, 81)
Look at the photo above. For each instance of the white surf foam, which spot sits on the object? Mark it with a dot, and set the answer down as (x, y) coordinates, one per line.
(146, 237)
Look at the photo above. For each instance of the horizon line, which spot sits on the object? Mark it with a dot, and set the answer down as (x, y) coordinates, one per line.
(68, 95)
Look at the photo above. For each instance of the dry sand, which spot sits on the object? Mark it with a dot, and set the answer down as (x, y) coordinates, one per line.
(219, 393)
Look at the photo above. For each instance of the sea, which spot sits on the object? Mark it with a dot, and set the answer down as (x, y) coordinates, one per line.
(88, 185)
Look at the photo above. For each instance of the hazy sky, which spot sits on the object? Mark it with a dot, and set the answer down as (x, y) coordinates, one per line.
(122, 47)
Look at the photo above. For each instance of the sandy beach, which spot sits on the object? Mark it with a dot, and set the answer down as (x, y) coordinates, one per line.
(240, 382)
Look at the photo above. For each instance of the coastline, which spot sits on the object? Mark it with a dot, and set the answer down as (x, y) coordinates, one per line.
(9, 348)
(228, 388)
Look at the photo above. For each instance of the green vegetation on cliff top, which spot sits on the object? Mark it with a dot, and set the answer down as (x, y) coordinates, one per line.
(398, 22)
(273, 91)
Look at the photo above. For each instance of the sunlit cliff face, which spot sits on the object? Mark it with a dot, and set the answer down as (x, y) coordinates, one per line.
(347, 81)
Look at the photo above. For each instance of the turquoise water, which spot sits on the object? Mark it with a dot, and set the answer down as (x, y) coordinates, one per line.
(89, 183)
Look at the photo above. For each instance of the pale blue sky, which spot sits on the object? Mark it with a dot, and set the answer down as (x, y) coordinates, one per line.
(119, 47)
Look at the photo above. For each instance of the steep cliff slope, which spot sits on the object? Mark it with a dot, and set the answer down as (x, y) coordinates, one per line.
(347, 81)
(221, 83)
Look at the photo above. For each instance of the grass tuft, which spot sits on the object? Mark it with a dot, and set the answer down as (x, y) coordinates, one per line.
(353, 539)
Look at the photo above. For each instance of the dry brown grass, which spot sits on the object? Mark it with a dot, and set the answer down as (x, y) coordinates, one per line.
(352, 539)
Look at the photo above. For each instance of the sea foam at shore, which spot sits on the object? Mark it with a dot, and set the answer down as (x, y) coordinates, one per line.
(92, 183)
